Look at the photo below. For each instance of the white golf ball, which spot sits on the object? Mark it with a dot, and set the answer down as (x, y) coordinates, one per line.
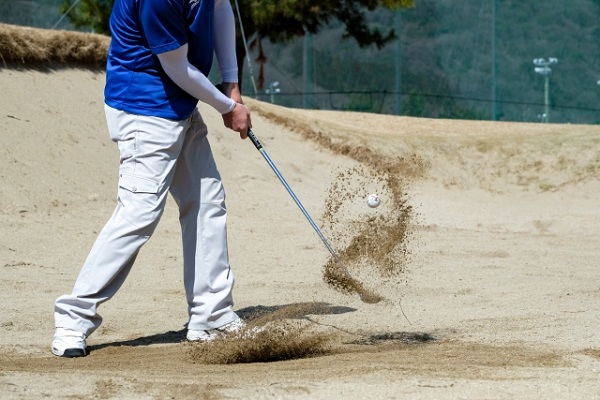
(373, 200)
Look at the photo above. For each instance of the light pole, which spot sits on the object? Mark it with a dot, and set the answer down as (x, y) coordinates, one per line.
(273, 88)
(398, 63)
(494, 62)
(542, 67)
(307, 68)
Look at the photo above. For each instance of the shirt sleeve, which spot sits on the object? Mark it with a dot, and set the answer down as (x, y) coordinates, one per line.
(225, 40)
(164, 24)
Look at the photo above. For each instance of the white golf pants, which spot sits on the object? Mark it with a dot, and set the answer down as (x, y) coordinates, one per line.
(157, 156)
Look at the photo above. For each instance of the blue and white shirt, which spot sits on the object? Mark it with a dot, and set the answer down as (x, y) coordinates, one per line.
(141, 29)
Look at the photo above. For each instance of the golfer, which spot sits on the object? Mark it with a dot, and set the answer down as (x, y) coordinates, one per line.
(159, 58)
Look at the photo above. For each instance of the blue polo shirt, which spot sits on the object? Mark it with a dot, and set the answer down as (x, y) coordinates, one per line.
(141, 29)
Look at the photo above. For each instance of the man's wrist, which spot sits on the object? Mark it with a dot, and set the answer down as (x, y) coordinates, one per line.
(231, 107)
(228, 86)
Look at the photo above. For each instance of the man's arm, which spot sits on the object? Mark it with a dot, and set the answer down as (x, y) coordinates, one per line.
(189, 78)
(225, 42)
(225, 51)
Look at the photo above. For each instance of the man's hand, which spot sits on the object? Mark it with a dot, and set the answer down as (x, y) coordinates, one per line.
(239, 118)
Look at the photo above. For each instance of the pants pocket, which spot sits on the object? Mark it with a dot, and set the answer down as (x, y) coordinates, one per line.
(140, 198)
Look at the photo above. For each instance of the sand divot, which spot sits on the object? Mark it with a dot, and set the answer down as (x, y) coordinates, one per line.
(273, 333)
(278, 341)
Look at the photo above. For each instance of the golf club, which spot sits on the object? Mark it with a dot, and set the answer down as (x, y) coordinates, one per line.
(364, 296)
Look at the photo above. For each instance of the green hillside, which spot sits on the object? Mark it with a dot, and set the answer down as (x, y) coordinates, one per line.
(446, 63)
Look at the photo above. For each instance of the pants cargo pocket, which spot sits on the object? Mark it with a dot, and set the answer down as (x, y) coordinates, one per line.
(140, 199)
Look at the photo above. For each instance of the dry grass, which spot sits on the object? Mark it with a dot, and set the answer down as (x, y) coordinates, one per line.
(22, 46)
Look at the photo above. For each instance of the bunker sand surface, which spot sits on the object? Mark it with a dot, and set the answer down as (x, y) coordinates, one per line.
(484, 251)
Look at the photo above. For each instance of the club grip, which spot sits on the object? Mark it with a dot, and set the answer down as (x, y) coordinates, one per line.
(254, 139)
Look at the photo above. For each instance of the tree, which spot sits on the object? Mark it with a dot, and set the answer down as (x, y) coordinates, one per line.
(276, 20)
(283, 20)
(93, 14)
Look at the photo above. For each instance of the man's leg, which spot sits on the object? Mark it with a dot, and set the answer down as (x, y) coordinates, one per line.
(148, 148)
(198, 191)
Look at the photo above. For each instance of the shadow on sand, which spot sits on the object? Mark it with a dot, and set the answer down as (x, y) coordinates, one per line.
(253, 314)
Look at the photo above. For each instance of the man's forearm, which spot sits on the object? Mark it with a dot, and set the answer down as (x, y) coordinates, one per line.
(225, 40)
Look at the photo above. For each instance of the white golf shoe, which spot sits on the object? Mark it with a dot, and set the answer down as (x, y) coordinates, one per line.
(68, 343)
(211, 334)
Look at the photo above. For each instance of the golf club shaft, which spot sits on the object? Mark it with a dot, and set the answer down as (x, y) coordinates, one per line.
(260, 148)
